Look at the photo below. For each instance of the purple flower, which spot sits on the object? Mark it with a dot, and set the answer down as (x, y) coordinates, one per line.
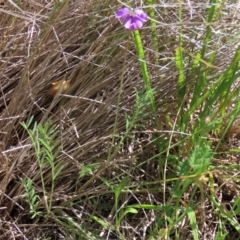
(132, 21)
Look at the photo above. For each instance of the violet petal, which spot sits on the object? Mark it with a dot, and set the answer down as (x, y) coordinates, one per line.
(140, 14)
(132, 23)
(123, 13)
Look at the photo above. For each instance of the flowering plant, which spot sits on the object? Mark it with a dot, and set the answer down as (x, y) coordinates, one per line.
(132, 20)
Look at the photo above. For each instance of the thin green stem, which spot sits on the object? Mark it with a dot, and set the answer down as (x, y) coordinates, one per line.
(144, 69)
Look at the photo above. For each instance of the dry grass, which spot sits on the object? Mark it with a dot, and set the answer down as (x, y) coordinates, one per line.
(83, 43)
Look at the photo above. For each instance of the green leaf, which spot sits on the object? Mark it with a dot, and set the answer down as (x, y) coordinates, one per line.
(183, 168)
(88, 169)
(193, 222)
(181, 77)
(196, 61)
(56, 153)
(100, 221)
(45, 144)
(146, 206)
(58, 169)
(199, 59)
(120, 186)
(125, 212)
(200, 158)
(236, 205)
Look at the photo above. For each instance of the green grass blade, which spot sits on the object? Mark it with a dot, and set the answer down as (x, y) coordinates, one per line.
(193, 221)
